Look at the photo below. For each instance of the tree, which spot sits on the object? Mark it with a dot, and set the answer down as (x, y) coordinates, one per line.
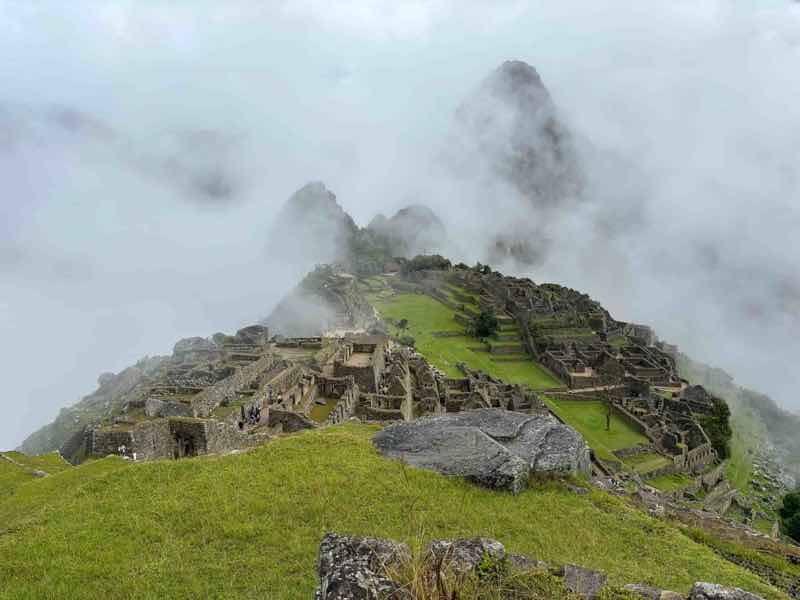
(791, 504)
(790, 515)
(608, 381)
(718, 427)
(485, 324)
(402, 324)
(792, 527)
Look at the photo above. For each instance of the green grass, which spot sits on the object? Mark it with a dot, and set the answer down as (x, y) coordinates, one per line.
(49, 463)
(589, 418)
(670, 483)
(645, 463)
(11, 477)
(426, 316)
(248, 525)
(20, 471)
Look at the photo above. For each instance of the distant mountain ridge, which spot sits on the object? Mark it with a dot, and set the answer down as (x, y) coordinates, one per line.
(313, 228)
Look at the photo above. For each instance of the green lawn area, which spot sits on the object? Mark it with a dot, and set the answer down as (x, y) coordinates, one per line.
(248, 525)
(426, 316)
(645, 463)
(589, 418)
(670, 483)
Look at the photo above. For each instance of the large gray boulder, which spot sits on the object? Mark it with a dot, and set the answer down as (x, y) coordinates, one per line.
(713, 591)
(491, 446)
(355, 568)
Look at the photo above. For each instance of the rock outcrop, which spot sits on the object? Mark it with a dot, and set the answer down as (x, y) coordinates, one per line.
(412, 230)
(462, 556)
(510, 133)
(327, 298)
(311, 227)
(362, 568)
(496, 448)
(584, 582)
(516, 126)
(355, 568)
(713, 591)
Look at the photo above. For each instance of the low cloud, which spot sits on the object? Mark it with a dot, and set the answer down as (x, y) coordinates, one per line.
(145, 149)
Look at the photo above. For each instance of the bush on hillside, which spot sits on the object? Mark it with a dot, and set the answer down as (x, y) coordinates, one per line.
(717, 426)
(426, 262)
(484, 325)
(790, 515)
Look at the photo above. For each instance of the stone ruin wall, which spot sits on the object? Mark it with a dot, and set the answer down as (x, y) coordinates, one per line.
(103, 442)
(155, 407)
(288, 421)
(670, 469)
(210, 398)
(380, 407)
(366, 377)
(170, 438)
(624, 453)
(346, 407)
(147, 440)
(634, 422)
(697, 459)
(222, 437)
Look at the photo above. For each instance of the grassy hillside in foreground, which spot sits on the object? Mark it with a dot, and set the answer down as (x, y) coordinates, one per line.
(248, 525)
(17, 468)
(427, 316)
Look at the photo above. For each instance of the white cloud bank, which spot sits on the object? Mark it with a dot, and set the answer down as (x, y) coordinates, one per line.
(144, 148)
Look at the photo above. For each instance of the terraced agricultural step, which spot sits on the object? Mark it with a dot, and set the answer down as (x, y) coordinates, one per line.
(506, 348)
(512, 358)
(507, 337)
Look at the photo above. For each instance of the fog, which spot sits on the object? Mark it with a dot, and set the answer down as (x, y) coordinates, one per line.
(145, 149)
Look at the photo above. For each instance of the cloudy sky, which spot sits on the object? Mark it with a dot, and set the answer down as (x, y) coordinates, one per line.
(145, 147)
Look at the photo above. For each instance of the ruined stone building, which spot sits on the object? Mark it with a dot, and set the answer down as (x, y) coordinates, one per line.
(669, 422)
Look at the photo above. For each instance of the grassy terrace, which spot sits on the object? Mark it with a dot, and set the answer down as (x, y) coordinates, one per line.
(248, 525)
(645, 463)
(427, 316)
(589, 418)
(670, 483)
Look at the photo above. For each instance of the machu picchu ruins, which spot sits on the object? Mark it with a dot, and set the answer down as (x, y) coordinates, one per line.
(378, 314)
(558, 392)
(231, 392)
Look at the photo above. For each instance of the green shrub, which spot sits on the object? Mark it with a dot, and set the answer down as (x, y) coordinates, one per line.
(484, 325)
(790, 515)
(718, 427)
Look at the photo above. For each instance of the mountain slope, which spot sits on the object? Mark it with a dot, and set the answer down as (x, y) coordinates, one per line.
(111, 393)
(313, 228)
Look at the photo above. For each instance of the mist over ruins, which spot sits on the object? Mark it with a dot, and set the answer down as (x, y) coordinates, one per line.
(408, 324)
